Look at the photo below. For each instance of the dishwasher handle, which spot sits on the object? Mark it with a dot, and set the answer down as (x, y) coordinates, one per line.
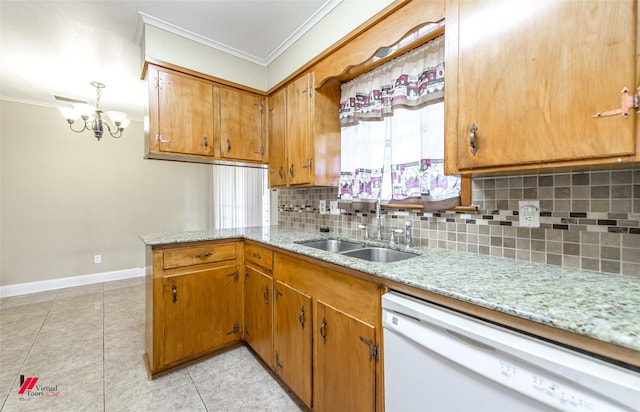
(470, 341)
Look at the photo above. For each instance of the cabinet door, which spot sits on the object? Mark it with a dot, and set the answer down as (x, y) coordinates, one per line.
(531, 74)
(201, 312)
(258, 323)
(299, 132)
(346, 355)
(277, 140)
(185, 114)
(241, 125)
(292, 339)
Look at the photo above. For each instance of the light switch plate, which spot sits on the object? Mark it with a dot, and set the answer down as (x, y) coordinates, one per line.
(529, 213)
(333, 207)
(322, 207)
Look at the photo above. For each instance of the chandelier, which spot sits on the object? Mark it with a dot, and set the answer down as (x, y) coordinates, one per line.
(93, 117)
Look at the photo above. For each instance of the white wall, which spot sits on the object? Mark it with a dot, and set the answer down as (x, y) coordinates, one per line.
(67, 197)
(171, 48)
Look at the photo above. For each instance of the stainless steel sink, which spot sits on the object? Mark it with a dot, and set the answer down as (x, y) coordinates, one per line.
(379, 254)
(359, 250)
(332, 245)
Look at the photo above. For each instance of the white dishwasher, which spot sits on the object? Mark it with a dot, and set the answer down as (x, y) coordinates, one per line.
(439, 360)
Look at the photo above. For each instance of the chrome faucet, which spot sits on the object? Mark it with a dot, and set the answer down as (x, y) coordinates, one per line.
(366, 230)
(378, 223)
(407, 234)
(392, 239)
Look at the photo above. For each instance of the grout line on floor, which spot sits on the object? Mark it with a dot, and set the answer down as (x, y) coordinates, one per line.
(196, 388)
(104, 381)
(44, 319)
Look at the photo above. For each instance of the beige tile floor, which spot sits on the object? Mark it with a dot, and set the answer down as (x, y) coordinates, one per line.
(85, 345)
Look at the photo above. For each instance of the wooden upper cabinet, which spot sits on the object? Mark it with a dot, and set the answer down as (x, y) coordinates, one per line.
(277, 139)
(241, 125)
(180, 113)
(194, 119)
(528, 76)
(299, 130)
(304, 134)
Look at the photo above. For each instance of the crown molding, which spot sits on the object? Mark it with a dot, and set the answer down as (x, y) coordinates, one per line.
(179, 31)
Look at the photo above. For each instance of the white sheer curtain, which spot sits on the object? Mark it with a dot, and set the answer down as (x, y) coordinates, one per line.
(393, 130)
(240, 197)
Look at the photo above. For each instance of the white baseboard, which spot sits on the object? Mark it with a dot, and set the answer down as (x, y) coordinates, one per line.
(60, 283)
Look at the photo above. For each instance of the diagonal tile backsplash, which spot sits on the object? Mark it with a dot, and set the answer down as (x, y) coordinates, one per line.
(588, 220)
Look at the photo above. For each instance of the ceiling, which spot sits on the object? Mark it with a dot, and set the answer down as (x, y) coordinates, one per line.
(56, 48)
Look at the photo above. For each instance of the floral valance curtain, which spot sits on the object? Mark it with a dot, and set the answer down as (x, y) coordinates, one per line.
(393, 130)
(412, 80)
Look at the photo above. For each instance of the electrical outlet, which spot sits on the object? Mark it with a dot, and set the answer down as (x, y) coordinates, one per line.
(322, 207)
(529, 213)
(97, 259)
(333, 207)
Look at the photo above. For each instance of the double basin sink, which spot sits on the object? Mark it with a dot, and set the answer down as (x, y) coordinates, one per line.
(360, 251)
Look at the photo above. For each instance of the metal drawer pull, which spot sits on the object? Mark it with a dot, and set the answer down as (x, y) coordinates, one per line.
(472, 138)
(323, 330)
(257, 256)
(174, 291)
(203, 255)
(301, 317)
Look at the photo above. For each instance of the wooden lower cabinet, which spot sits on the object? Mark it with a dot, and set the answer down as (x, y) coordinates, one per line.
(201, 312)
(346, 356)
(292, 339)
(316, 327)
(341, 328)
(258, 307)
(193, 303)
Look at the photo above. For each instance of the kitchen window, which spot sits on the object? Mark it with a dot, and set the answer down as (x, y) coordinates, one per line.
(393, 130)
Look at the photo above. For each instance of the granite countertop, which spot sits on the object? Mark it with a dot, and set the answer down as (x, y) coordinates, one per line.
(598, 305)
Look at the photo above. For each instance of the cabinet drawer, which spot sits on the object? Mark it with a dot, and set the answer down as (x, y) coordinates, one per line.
(175, 258)
(259, 256)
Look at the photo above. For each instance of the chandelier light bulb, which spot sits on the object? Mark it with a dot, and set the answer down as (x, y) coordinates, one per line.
(70, 114)
(117, 117)
(85, 110)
